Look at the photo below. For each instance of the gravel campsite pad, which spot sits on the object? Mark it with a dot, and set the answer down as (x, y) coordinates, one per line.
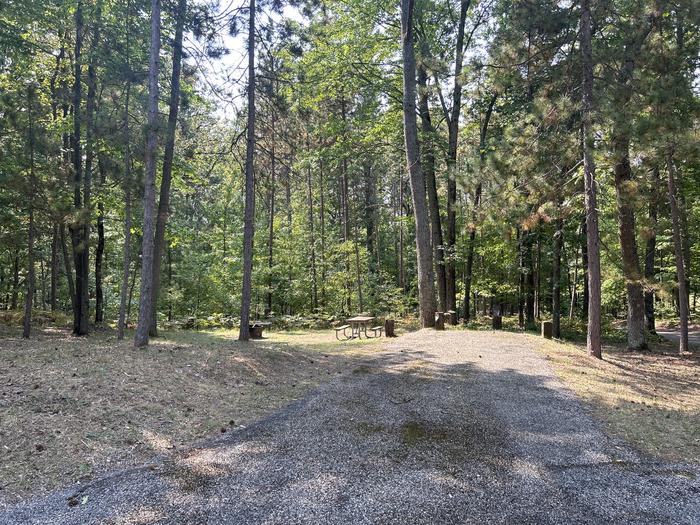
(451, 427)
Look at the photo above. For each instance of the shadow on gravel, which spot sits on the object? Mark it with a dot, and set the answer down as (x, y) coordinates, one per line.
(398, 439)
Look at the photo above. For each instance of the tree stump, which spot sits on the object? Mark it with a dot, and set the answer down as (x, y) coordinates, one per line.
(439, 320)
(547, 329)
(497, 322)
(389, 328)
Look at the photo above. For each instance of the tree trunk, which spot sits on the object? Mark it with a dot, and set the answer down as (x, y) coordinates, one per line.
(650, 258)
(453, 135)
(678, 250)
(149, 194)
(312, 236)
(79, 230)
(126, 255)
(584, 268)
(556, 278)
(168, 155)
(574, 293)
(30, 282)
(322, 217)
(426, 291)
(53, 293)
(15, 283)
(402, 265)
(271, 224)
(593, 340)
(483, 137)
(249, 214)
(528, 266)
(100, 249)
(628, 244)
(431, 187)
(67, 264)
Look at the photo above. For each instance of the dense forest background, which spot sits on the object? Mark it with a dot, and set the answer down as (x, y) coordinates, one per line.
(501, 146)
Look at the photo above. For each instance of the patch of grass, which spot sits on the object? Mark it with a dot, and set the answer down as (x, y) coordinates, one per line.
(71, 407)
(650, 399)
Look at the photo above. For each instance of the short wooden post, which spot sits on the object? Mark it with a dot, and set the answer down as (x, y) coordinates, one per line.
(496, 322)
(389, 328)
(439, 320)
(547, 329)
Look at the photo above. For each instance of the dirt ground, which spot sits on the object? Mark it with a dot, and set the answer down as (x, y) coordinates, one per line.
(651, 399)
(71, 408)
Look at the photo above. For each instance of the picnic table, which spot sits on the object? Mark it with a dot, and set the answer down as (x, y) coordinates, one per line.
(255, 328)
(359, 325)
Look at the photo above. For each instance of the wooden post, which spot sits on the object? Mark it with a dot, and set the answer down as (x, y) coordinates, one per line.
(496, 322)
(439, 320)
(389, 328)
(452, 317)
(547, 329)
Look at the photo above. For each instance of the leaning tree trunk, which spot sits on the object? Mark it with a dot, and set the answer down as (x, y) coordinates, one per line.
(168, 155)
(426, 290)
(249, 213)
(678, 249)
(149, 194)
(593, 335)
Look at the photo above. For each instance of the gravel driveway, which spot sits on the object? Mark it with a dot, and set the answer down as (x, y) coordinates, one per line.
(451, 427)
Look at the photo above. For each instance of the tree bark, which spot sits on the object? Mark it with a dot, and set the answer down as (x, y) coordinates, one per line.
(249, 213)
(593, 335)
(431, 187)
(168, 155)
(636, 339)
(78, 230)
(149, 195)
(678, 250)
(426, 290)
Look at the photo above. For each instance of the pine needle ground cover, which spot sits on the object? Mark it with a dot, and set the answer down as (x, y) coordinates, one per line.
(650, 399)
(71, 408)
